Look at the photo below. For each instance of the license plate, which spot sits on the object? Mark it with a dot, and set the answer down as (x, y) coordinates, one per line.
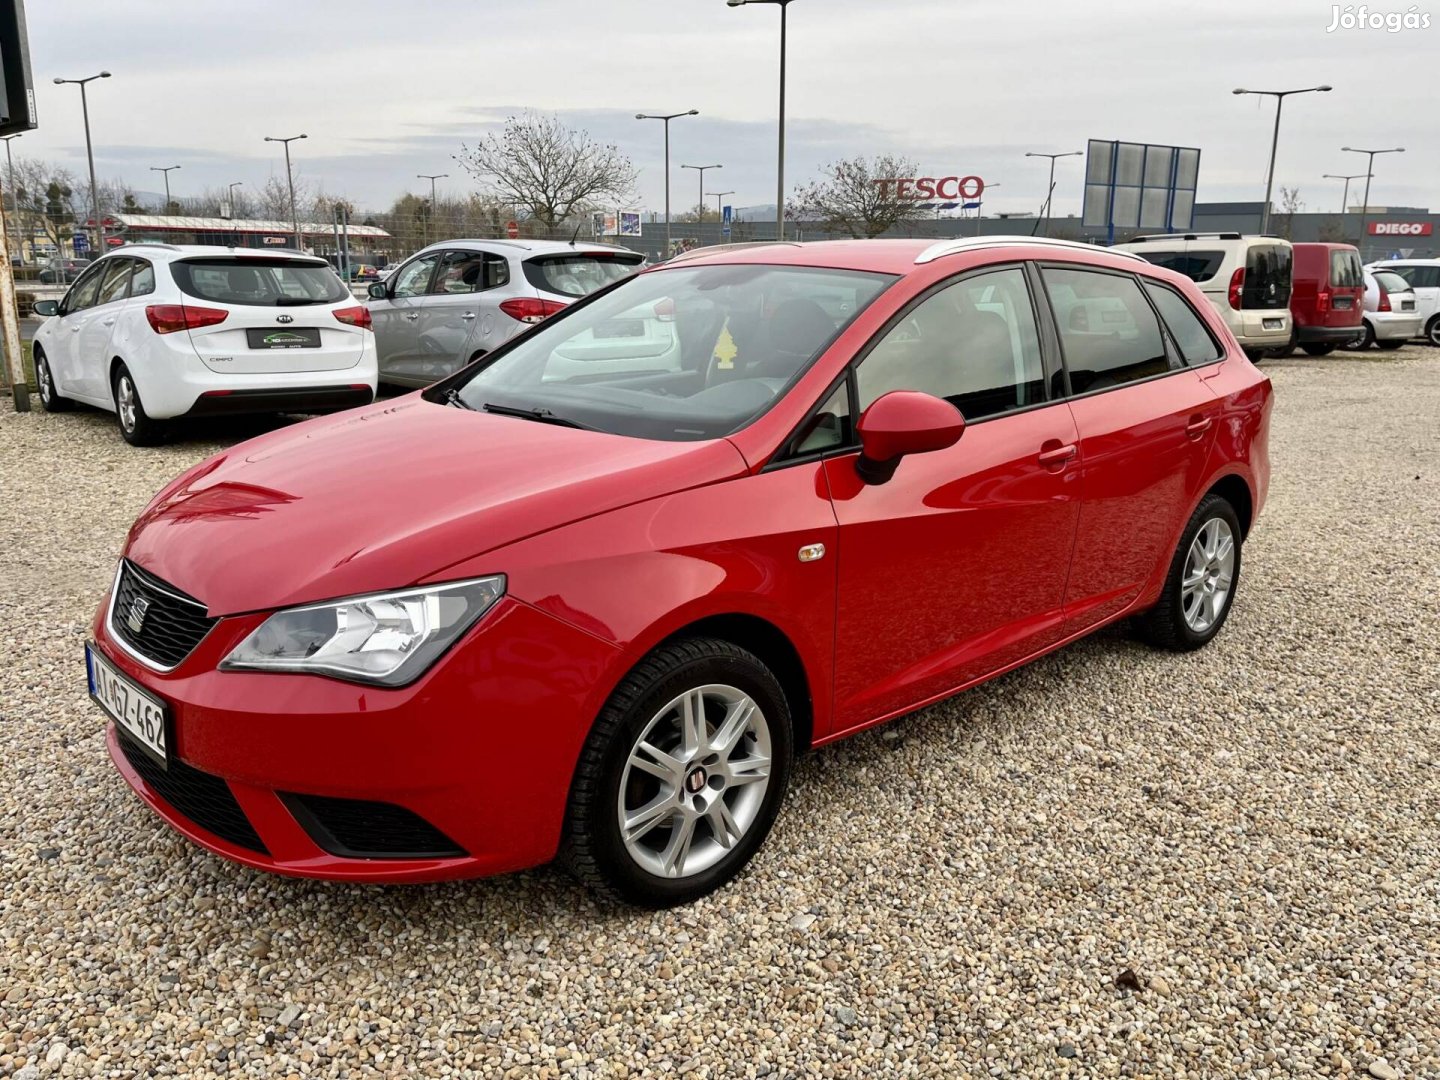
(1344, 303)
(1407, 305)
(143, 716)
(1272, 324)
(306, 337)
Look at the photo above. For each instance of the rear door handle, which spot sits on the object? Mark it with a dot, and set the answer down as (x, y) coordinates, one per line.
(412, 315)
(468, 315)
(1197, 426)
(1057, 456)
(109, 322)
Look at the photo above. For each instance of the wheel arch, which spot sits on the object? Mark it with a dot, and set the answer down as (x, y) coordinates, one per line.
(1235, 490)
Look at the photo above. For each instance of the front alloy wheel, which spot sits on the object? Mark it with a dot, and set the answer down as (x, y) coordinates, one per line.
(50, 399)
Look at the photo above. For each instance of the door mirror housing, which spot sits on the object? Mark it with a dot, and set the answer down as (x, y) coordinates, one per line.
(46, 308)
(377, 291)
(903, 422)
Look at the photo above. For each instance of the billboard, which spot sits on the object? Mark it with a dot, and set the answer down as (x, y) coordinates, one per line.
(615, 223)
(1140, 186)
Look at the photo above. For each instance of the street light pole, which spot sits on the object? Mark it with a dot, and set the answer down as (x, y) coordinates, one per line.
(89, 149)
(10, 178)
(1345, 196)
(432, 177)
(1369, 171)
(1050, 189)
(1279, 96)
(719, 210)
(290, 179)
(667, 117)
(166, 170)
(780, 157)
(701, 169)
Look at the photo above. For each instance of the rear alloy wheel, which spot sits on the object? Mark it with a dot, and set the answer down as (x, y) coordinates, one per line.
(50, 399)
(1200, 586)
(1432, 331)
(1363, 342)
(1318, 350)
(682, 776)
(136, 427)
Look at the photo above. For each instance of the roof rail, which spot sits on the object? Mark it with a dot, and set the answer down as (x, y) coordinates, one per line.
(1185, 236)
(719, 249)
(143, 244)
(975, 243)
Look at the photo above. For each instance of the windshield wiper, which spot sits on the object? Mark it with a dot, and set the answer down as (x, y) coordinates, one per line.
(452, 397)
(544, 416)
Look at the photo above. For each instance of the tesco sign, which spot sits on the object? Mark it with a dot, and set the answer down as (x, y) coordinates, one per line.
(928, 187)
(1400, 228)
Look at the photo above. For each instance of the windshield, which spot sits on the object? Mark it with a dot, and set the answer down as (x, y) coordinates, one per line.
(259, 282)
(579, 273)
(1391, 283)
(689, 353)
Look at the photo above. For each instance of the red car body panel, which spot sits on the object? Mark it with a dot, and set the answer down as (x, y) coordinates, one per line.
(970, 561)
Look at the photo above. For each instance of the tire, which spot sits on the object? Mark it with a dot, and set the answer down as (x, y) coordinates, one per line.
(1363, 342)
(1173, 623)
(1318, 350)
(649, 708)
(50, 399)
(136, 426)
(1432, 331)
(1392, 345)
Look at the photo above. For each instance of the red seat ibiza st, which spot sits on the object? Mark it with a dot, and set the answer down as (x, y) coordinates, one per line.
(590, 596)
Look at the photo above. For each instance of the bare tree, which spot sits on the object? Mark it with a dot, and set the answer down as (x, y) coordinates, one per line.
(850, 198)
(548, 170)
(48, 201)
(1290, 205)
(272, 201)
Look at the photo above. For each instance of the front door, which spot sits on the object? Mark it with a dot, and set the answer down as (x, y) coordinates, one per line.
(956, 566)
(395, 320)
(76, 310)
(92, 344)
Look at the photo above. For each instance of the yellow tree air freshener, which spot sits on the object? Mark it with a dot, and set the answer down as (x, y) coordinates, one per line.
(725, 350)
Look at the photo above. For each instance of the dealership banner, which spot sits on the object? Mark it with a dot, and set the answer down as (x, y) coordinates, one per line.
(1399, 228)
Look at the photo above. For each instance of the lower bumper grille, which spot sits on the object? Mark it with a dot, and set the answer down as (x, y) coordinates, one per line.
(204, 799)
(360, 829)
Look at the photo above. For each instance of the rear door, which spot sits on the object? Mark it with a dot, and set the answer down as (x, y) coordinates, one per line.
(455, 318)
(281, 314)
(1347, 289)
(396, 319)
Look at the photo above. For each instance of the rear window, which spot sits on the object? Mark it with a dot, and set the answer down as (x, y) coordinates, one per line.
(1267, 276)
(1345, 270)
(1196, 265)
(579, 274)
(276, 282)
(1391, 283)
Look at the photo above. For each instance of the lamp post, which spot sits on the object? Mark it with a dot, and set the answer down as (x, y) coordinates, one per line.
(89, 149)
(1279, 96)
(667, 117)
(10, 179)
(290, 179)
(719, 210)
(1345, 196)
(1369, 171)
(166, 169)
(231, 188)
(432, 177)
(780, 159)
(701, 169)
(1050, 189)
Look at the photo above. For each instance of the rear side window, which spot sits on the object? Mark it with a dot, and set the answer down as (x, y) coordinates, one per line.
(1108, 331)
(1420, 277)
(1194, 341)
(143, 283)
(1267, 276)
(115, 283)
(1345, 272)
(258, 282)
(469, 272)
(579, 274)
(1196, 265)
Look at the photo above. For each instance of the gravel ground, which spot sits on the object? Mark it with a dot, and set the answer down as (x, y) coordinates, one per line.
(1112, 863)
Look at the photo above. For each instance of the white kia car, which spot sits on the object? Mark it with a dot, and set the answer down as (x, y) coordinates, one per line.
(157, 331)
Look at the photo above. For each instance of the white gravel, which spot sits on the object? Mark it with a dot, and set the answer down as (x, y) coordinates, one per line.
(1113, 863)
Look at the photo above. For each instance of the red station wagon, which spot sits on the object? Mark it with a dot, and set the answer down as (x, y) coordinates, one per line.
(589, 597)
(1327, 296)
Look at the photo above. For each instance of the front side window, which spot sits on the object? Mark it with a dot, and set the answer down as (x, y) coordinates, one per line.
(115, 283)
(1194, 341)
(413, 279)
(1108, 332)
(258, 282)
(82, 293)
(973, 343)
(828, 429)
(1196, 265)
(694, 352)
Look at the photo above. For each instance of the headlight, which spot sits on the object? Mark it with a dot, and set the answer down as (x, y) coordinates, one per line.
(388, 639)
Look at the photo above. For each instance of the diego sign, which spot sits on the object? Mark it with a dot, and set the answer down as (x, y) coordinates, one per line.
(925, 188)
(1399, 228)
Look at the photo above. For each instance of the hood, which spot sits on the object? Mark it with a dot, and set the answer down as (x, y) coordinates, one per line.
(388, 496)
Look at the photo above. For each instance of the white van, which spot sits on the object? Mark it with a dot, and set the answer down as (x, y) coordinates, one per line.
(1246, 278)
(1424, 278)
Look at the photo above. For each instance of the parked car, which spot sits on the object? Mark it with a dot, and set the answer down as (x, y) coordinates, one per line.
(1245, 278)
(1424, 278)
(534, 611)
(457, 300)
(61, 271)
(157, 331)
(1327, 298)
(383, 272)
(1390, 316)
(364, 272)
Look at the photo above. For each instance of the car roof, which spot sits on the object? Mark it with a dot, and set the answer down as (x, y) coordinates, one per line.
(885, 256)
(521, 248)
(171, 252)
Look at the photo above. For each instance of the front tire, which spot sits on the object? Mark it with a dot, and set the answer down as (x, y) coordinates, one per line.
(50, 399)
(1432, 331)
(1200, 585)
(681, 777)
(136, 426)
(1363, 342)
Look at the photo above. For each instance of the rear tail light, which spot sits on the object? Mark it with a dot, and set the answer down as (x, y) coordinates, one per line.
(168, 318)
(354, 316)
(1322, 300)
(1384, 300)
(1237, 285)
(531, 309)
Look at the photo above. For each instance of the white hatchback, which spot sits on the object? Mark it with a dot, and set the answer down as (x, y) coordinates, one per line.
(157, 331)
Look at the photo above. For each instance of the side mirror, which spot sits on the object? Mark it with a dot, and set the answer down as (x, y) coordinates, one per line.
(903, 422)
(377, 291)
(46, 308)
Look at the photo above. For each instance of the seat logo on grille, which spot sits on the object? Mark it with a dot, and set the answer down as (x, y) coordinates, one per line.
(135, 618)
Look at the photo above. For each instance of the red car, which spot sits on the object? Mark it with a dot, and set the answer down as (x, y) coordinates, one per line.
(1327, 296)
(591, 595)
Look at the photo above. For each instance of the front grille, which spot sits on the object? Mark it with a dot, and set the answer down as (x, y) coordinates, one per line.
(359, 829)
(171, 623)
(204, 799)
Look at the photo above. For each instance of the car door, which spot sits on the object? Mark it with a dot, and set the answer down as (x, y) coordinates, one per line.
(92, 344)
(955, 567)
(1146, 425)
(454, 322)
(64, 342)
(395, 320)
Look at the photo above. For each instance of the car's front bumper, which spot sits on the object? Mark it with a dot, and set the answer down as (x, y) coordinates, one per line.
(481, 750)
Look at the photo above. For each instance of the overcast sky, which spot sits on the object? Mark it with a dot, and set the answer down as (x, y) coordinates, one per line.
(389, 89)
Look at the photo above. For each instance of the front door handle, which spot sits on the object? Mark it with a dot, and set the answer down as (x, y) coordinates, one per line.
(468, 315)
(109, 322)
(1058, 455)
(412, 315)
(1197, 426)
